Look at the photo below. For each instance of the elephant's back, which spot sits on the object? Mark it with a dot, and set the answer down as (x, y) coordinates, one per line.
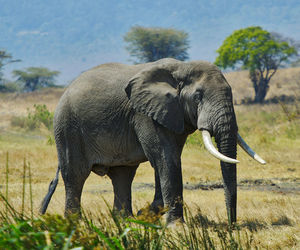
(106, 75)
(102, 83)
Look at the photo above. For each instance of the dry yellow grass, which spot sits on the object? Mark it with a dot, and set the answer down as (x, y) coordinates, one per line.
(284, 82)
(270, 209)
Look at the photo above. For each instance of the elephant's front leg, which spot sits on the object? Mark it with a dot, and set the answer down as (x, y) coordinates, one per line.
(171, 189)
(163, 153)
(158, 202)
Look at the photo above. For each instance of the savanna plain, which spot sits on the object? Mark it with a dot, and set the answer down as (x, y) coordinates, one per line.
(268, 195)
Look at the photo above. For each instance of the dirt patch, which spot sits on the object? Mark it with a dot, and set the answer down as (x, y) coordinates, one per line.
(279, 185)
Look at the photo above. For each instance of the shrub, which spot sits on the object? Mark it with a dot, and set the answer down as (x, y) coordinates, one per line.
(34, 119)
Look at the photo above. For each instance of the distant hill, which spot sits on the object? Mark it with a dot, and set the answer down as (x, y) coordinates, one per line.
(72, 36)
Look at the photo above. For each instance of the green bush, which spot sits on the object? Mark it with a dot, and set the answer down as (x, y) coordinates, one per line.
(34, 119)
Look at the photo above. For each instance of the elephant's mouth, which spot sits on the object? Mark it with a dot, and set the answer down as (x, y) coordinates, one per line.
(212, 150)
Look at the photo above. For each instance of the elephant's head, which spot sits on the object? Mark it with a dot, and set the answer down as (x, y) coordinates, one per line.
(182, 95)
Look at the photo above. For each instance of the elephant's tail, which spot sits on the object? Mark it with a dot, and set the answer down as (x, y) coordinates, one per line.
(51, 190)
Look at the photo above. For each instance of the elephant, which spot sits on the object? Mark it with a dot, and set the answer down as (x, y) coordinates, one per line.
(115, 116)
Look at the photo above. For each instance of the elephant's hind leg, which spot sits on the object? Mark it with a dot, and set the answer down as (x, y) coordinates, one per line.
(122, 177)
(73, 190)
(75, 170)
(74, 181)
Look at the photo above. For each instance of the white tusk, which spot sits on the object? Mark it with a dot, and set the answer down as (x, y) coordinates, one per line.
(248, 150)
(211, 149)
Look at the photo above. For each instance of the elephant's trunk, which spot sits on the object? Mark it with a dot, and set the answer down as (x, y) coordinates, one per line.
(225, 132)
(218, 118)
(227, 146)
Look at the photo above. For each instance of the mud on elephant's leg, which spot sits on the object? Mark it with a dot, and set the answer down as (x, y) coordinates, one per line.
(122, 177)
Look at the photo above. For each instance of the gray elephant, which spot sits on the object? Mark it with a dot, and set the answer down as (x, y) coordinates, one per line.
(115, 116)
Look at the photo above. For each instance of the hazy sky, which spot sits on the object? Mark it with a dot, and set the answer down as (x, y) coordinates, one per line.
(72, 36)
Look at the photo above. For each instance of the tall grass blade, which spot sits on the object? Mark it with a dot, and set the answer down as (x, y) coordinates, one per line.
(116, 220)
(104, 238)
(6, 184)
(68, 243)
(10, 208)
(30, 191)
(23, 191)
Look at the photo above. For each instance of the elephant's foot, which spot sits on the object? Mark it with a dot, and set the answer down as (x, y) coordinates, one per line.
(175, 214)
(73, 212)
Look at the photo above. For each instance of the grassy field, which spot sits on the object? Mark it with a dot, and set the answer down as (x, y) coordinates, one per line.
(268, 196)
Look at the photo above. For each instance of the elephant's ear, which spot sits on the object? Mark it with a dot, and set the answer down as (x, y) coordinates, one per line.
(153, 92)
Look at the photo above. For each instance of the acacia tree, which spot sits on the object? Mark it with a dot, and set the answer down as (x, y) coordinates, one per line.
(5, 58)
(258, 51)
(35, 77)
(151, 44)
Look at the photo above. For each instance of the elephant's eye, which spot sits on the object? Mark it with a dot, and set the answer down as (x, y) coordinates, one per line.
(197, 97)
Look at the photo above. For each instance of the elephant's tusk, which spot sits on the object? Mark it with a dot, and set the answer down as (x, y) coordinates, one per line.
(248, 150)
(211, 149)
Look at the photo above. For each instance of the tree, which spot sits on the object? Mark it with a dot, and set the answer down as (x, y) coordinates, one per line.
(151, 44)
(293, 43)
(5, 58)
(36, 77)
(258, 51)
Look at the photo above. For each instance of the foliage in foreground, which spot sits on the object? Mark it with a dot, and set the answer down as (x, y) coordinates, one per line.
(110, 231)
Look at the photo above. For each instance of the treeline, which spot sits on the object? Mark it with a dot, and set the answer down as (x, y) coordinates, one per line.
(27, 80)
(253, 48)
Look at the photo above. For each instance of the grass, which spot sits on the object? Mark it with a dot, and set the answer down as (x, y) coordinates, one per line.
(114, 232)
(266, 218)
(268, 196)
(107, 229)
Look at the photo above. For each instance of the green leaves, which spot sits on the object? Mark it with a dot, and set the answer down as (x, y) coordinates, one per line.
(253, 48)
(258, 51)
(151, 44)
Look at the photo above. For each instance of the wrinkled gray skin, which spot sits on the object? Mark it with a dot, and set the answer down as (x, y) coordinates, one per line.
(115, 116)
